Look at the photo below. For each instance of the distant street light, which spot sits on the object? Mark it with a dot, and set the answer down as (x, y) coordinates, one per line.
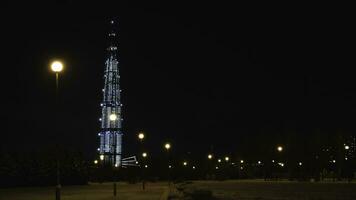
(347, 147)
(227, 158)
(210, 156)
(300, 163)
(167, 146)
(241, 161)
(219, 160)
(185, 163)
(95, 161)
(280, 148)
(141, 136)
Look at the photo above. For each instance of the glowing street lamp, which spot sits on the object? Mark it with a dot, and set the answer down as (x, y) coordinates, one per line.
(227, 158)
(141, 136)
(95, 161)
(279, 148)
(347, 147)
(167, 146)
(101, 157)
(144, 154)
(219, 160)
(56, 66)
(241, 161)
(185, 163)
(210, 156)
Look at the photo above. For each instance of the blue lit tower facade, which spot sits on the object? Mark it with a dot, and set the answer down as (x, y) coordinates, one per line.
(111, 115)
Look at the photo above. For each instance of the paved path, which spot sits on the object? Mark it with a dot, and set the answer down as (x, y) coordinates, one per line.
(278, 190)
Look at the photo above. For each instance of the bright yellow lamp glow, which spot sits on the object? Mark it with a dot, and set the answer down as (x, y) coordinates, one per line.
(144, 154)
(210, 156)
(56, 66)
(141, 136)
(95, 161)
(280, 148)
(112, 117)
(347, 147)
(185, 163)
(167, 146)
(101, 157)
(227, 158)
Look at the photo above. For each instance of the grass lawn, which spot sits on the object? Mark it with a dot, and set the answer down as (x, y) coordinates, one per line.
(278, 190)
(92, 191)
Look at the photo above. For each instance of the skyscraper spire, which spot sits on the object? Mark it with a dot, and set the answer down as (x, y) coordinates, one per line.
(111, 116)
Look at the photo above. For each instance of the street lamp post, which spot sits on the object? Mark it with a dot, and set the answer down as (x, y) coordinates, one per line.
(144, 155)
(57, 67)
(167, 146)
(141, 136)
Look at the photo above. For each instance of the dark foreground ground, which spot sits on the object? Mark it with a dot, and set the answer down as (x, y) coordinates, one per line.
(154, 191)
(273, 190)
(227, 190)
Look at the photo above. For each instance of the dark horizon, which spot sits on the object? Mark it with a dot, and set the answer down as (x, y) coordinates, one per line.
(218, 72)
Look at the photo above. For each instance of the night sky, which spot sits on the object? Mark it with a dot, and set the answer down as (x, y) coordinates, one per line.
(198, 75)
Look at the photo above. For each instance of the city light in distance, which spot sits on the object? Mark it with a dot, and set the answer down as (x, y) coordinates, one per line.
(219, 160)
(113, 117)
(101, 157)
(210, 156)
(241, 161)
(95, 161)
(185, 163)
(144, 154)
(227, 158)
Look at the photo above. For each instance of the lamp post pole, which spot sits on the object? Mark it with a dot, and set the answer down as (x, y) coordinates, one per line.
(167, 146)
(57, 67)
(141, 136)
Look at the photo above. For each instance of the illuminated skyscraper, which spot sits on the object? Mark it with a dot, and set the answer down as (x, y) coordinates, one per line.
(111, 115)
